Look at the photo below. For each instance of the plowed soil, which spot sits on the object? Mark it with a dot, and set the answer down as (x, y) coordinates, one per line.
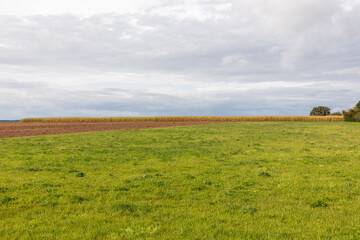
(9, 130)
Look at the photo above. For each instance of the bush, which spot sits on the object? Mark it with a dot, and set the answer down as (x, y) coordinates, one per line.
(352, 115)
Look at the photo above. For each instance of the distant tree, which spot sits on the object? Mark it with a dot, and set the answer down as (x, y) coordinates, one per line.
(336, 114)
(352, 115)
(320, 111)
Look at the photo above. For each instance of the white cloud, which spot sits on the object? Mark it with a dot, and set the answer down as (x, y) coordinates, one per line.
(302, 27)
(82, 7)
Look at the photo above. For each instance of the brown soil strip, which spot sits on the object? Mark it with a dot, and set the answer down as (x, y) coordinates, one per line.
(10, 130)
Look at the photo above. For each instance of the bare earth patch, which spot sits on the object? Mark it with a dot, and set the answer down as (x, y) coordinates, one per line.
(9, 130)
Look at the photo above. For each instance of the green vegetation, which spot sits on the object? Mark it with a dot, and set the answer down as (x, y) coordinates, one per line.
(320, 111)
(268, 180)
(336, 114)
(352, 115)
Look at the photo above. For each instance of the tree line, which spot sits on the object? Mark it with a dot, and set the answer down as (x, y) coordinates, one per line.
(351, 115)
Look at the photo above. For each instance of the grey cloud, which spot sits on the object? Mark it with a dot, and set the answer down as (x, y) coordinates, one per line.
(118, 102)
(16, 84)
(141, 42)
(224, 41)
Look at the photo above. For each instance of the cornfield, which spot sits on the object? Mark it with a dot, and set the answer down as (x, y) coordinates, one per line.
(191, 119)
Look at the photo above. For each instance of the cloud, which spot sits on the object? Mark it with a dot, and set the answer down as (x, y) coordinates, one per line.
(270, 35)
(248, 57)
(278, 98)
(303, 28)
(233, 61)
(56, 7)
(346, 71)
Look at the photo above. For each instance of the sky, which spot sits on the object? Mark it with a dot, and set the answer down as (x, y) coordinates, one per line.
(185, 57)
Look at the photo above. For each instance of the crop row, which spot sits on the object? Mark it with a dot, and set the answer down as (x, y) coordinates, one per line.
(191, 119)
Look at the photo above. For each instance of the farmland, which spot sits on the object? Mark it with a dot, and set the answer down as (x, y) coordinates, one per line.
(51, 126)
(245, 180)
(191, 119)
(22, 129)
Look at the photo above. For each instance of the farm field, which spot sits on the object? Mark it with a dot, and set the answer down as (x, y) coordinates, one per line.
(22, 129)
(330, 118)
(246, 180)
(52, 126)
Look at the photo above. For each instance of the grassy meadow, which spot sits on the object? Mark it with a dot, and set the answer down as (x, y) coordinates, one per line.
(248, 180)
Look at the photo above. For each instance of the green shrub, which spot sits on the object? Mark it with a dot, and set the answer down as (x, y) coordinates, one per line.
(352, 115)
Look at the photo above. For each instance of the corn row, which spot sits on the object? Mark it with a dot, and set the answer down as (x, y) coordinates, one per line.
(191, 119)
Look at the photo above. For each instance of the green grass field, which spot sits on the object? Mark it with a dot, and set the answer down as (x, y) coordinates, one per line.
(269, 180)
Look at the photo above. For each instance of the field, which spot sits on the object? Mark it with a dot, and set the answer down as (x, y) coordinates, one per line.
(191, 119)
(22, 129)
(51, 126)
(247, 180)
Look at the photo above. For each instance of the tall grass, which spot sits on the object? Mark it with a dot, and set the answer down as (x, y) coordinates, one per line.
(191, 119)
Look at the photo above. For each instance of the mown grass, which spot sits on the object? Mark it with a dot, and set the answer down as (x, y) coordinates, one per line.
(269, 180)
(191, 119)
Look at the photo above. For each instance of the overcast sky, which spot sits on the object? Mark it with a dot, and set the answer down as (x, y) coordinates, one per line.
(177, 57)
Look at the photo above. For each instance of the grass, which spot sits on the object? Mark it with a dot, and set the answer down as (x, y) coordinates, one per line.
(191, 119)
(269, 180)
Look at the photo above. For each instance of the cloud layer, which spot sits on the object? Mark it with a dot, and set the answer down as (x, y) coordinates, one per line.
(202, 57)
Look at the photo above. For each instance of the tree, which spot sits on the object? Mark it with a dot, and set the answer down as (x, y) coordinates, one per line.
(320, 111)
(336, 114)
(352, 115)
